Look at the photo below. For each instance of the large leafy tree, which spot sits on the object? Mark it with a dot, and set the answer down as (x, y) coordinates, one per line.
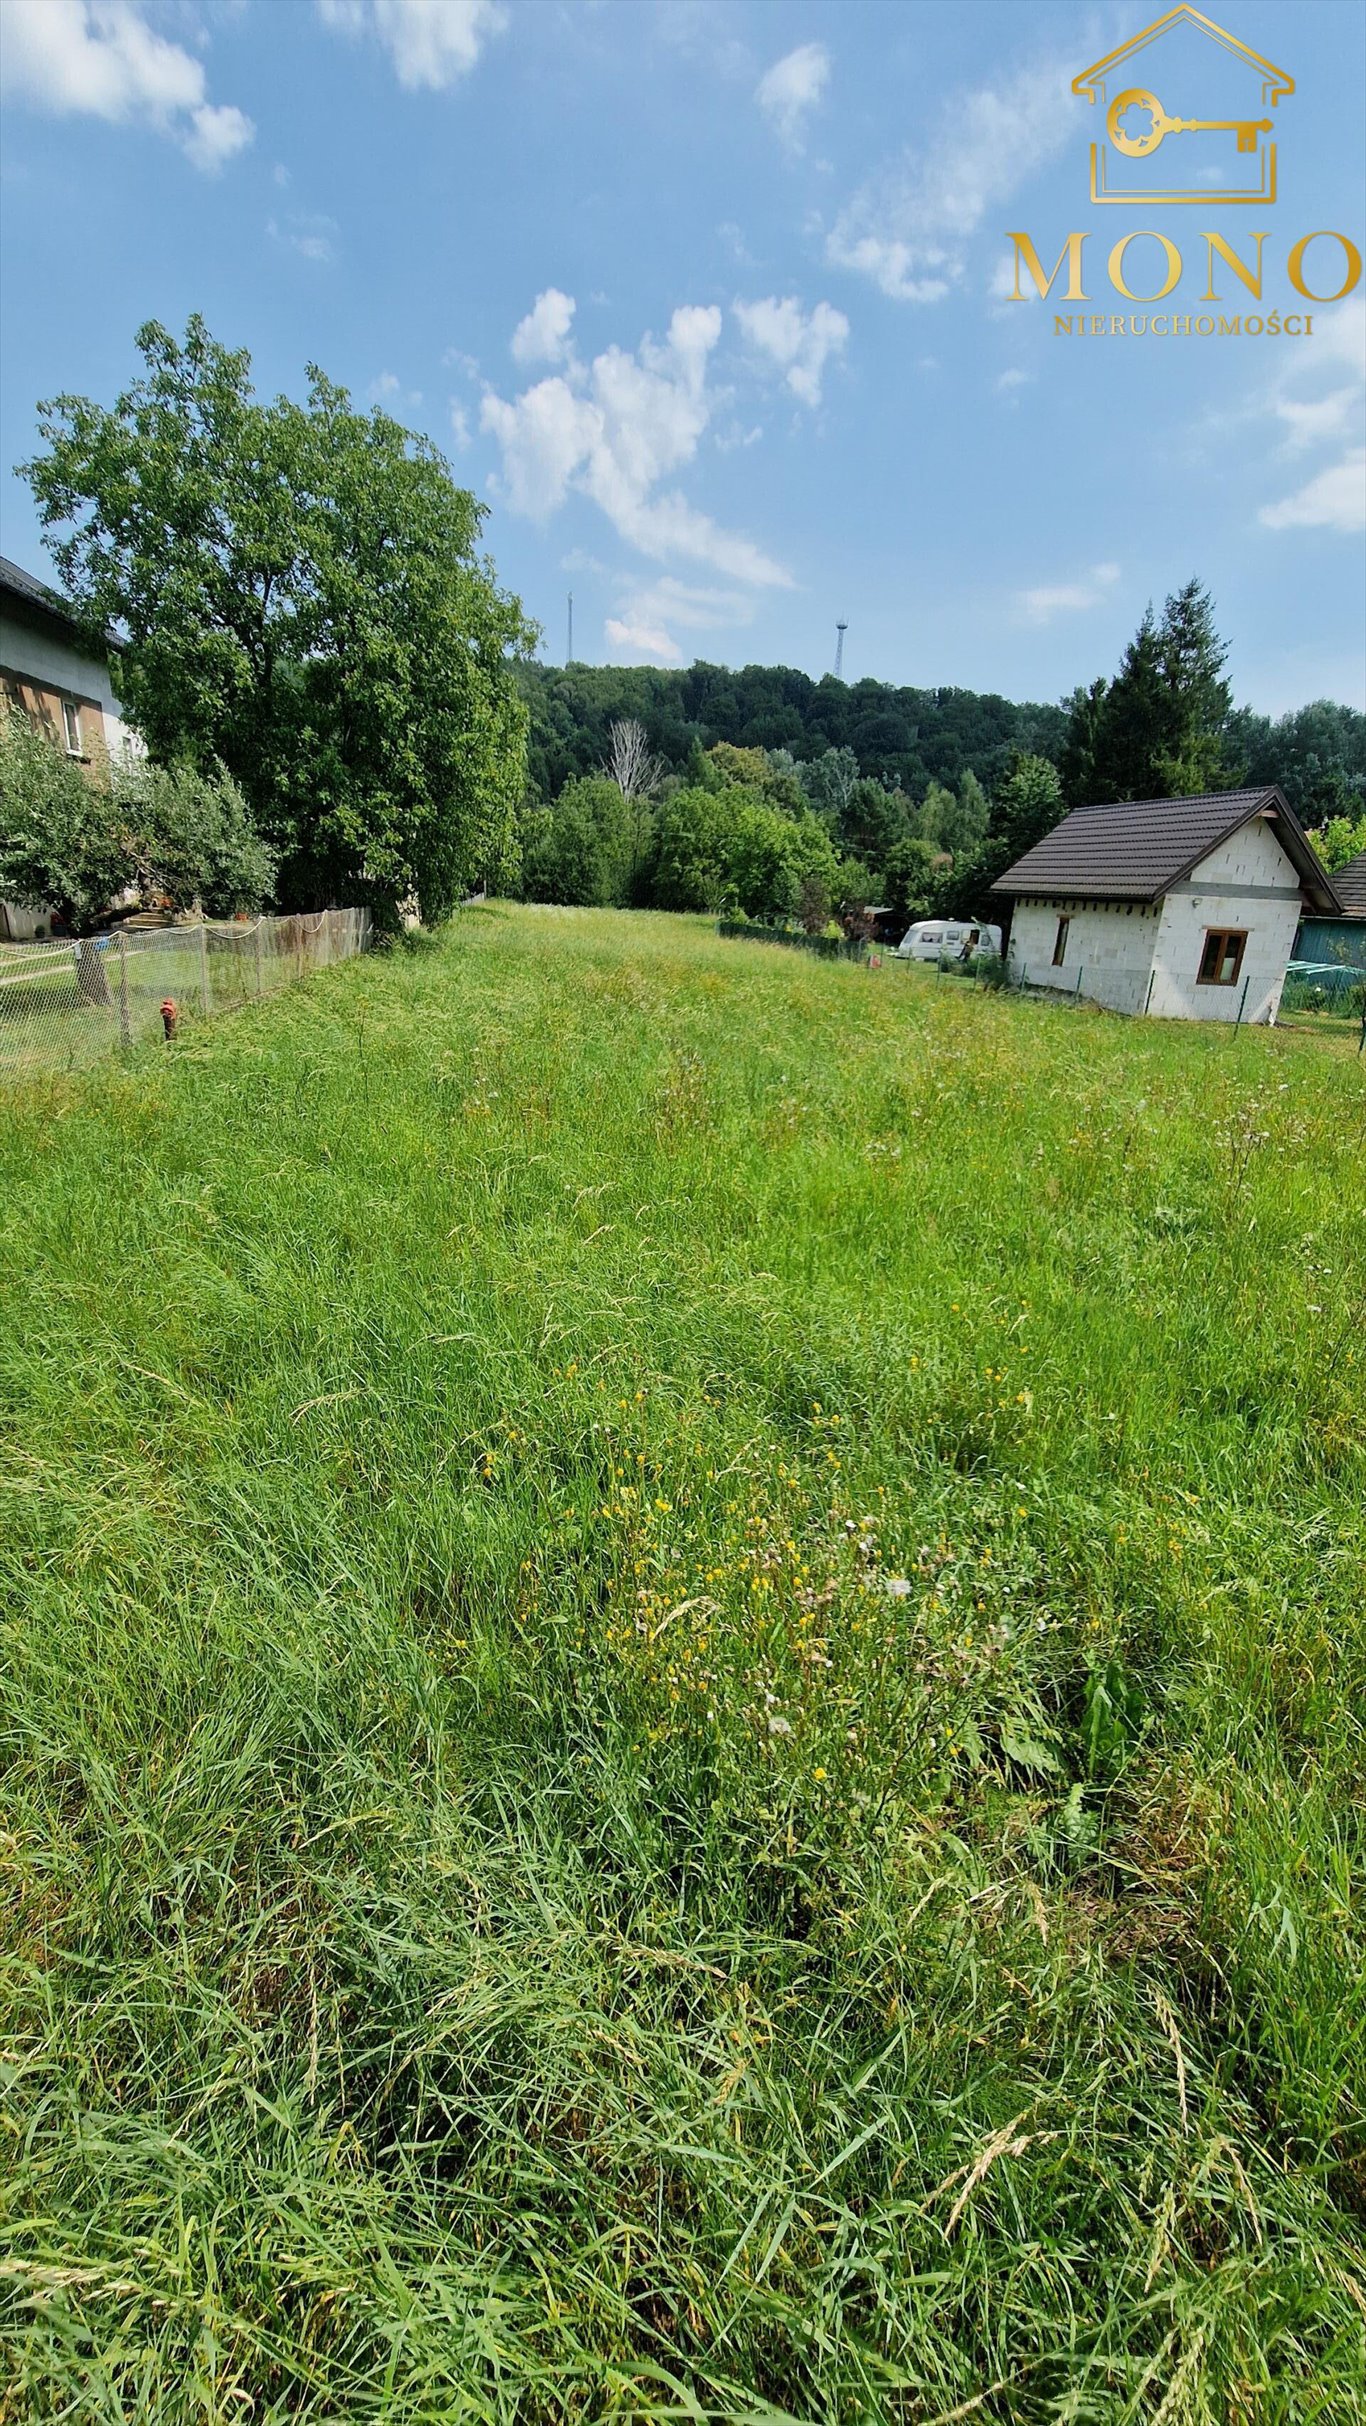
(1341, 839)
(729, 849)
(828, 783)
(581, 850)
(964, 823)
(1026, 805)
(1317, 754)
(873, 822)
(909, 879)
(303, 601)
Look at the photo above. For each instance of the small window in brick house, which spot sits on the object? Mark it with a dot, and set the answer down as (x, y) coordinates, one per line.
(1221, 962)
(71, 717)
(1060, 942)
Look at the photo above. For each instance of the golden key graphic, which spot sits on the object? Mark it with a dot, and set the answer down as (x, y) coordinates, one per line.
(1142, 146)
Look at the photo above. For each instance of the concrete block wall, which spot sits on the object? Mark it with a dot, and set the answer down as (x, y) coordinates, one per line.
(1109, 948)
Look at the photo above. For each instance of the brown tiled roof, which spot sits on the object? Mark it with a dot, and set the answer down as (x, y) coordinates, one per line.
(1349, 884)
(1136, 850)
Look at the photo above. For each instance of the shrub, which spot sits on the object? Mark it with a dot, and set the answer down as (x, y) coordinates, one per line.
(189, 838)
(74, 839)
(60, 841)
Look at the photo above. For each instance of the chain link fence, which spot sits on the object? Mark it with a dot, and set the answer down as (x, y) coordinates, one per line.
(1329, 996)
(63, 1005)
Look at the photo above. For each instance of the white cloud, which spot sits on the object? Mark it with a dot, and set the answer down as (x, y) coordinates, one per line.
(613, 431)
(637, 640)
(461, 433)
(1315, 406)
(546, 436)
(431, 42)
(388, 391)
(544, 334)
(791, 88)
(1069, 597)
(100, 59)
(1334, 500)
(649, 617)
(703, 30)
(735, 244)
(801, 343)
(307, 233)
(215, 134)
(1008, 381)
(1315, 390)
(907, 228)
(1339, 336)
(1307, 421)
(1001, 285)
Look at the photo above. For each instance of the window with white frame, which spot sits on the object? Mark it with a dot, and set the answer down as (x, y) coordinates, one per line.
(71, 718)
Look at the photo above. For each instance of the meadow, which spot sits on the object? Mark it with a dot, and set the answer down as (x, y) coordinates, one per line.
(682, 1704)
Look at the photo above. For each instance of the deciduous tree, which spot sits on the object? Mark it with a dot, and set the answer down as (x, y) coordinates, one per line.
(303, 599)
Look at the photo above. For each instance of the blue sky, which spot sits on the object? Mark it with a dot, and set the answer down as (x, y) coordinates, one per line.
(705, 299)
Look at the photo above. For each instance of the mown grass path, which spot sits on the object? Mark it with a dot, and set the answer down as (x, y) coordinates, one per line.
(683, 1692)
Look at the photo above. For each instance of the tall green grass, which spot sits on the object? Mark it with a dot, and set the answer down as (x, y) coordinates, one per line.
(683, 1686)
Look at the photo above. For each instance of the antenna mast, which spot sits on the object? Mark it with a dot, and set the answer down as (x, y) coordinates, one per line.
(840, 630)
(569, 651)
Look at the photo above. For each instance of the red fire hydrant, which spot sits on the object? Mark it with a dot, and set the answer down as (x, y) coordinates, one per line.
(169, 1016)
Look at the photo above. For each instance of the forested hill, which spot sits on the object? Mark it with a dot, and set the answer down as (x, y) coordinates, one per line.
(905, 739)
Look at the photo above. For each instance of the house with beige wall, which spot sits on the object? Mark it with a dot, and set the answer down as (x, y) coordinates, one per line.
(1179, 909)
(50, 669)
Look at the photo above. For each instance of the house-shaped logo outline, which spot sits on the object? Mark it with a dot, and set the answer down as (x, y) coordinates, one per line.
(1091, 83)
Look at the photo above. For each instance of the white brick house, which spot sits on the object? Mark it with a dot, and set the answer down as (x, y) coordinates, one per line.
(1184, 909)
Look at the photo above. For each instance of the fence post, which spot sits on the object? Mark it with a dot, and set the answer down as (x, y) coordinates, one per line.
(125, 1026)
(204, 968)
(259, 988)
(1242, 1000)
(124, 1037)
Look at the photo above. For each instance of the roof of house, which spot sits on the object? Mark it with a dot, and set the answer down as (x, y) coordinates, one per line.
(1136, 850)
(1349, 884)
(26, 589)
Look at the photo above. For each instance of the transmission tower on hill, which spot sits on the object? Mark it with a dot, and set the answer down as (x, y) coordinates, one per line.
(840, 630)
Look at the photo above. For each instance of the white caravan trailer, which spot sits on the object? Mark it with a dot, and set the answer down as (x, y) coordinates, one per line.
(950, 939)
